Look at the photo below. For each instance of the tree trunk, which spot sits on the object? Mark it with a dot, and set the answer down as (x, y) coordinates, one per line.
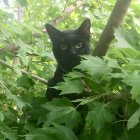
(114, 21)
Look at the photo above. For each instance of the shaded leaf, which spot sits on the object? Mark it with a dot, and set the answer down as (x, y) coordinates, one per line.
(133, 120)
(25, 82)
(98, 120)
(51, 133)
(62, 114)
(1, 116)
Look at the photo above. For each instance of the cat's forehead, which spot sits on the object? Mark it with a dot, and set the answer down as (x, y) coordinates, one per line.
(70, 34)
(68, 31)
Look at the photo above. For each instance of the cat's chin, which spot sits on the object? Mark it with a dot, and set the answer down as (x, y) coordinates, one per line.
(66, 69)
(71, 62)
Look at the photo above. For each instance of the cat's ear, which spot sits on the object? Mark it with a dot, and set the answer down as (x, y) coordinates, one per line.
(84, 28)
(52, 31)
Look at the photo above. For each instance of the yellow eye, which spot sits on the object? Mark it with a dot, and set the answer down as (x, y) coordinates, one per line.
(63, 47)
(79, 45)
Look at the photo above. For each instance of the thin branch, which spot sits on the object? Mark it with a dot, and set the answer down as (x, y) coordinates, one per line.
(25, 72)
(67, 12)
(12, 48)
(114, 21)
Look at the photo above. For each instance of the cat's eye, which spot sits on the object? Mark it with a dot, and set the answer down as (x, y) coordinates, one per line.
(63, 47)
(79, 45)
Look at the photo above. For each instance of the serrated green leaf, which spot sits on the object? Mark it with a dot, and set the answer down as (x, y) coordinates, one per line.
(94, 66)
(97, 120)
(112, 63)
(70, 86)
(75, 74)
(62, 114)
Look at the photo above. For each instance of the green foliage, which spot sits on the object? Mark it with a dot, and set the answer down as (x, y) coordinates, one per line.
(70, 86)
(51, 133)
(110, 109)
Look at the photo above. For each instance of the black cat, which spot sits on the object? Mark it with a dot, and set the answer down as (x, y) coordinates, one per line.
(67, 46)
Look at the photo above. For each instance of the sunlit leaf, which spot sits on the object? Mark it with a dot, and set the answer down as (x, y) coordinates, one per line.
(133, 80)
(70, 86)
(94, 66)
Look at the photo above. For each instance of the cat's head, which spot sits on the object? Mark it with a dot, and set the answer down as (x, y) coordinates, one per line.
(69, 44)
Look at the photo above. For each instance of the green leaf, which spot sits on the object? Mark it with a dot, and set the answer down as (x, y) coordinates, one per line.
(2, 137)
(62, 114)
(48, 133)
(25, 82)
(127, 39)
(12, 135)
(94, 66)
(134, 119)
(133, 80)
(6, 132)
(74, 75)
(133, 64)
(55, 103)
(19, 101)
(1, 116)
(112, 63)
(98, 116)
(51, 133)
(66, 133)
(70, 86)
(121, 41)
(107, 115)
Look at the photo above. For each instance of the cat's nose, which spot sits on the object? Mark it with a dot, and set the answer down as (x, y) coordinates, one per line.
(73, 51)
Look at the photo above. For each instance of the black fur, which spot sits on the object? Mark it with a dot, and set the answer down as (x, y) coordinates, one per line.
(67, 46)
